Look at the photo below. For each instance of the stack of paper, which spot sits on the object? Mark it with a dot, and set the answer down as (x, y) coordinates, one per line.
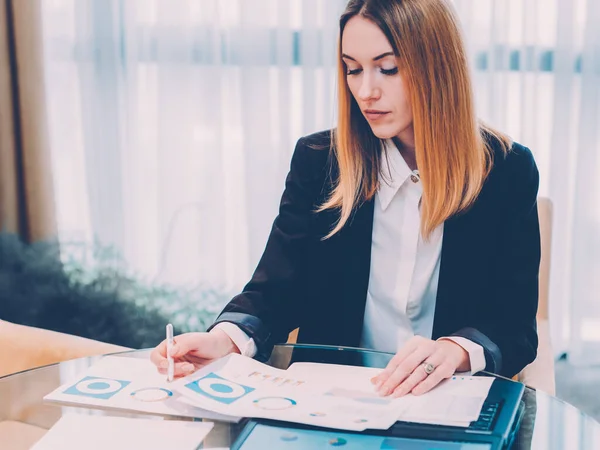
(244, 387)
(324, 395)
(77, 431)
(455, 402)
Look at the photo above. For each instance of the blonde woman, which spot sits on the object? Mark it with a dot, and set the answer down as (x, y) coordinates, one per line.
(411, 228)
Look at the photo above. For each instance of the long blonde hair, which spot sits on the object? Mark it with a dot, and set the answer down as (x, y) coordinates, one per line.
(452, 154)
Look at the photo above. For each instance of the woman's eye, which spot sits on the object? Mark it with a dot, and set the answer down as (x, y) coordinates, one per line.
(353, 72)
(393, 71)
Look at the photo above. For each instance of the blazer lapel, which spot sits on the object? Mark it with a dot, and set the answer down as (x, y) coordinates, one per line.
(356, 255)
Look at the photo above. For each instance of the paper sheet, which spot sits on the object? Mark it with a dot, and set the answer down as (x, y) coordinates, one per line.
(458, 399)
(130, 384)
(454, 402)
(78, 431)
(244, 387)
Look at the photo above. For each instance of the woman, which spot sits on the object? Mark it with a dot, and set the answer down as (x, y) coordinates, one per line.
(410, 228)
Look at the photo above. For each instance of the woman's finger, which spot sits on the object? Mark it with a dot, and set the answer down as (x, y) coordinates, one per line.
(445, 370)
(406, 368)
(159, 354)
(418, 374)
(406, 386)
(402, 354)
(183, 369)
(183, 346)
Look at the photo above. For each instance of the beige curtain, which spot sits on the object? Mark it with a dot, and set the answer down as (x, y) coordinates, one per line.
(26, 189)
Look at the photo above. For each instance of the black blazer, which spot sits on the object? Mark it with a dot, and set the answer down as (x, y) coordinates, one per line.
(488, 282)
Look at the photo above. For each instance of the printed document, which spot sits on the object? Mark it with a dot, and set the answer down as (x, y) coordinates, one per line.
(241, 386)
(325, 395)
(131, 384)
(456, 401)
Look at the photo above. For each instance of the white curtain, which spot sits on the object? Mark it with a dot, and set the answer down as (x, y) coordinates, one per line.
(173, 123)
(537, 76)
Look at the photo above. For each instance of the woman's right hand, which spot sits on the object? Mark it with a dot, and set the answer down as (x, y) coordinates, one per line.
(191, 351)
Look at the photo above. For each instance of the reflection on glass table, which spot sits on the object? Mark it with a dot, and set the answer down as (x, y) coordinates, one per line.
(547, 422)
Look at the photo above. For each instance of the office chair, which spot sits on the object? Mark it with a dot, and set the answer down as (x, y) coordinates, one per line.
(540, 373)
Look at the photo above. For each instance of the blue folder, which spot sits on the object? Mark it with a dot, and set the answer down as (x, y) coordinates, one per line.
(495, 429)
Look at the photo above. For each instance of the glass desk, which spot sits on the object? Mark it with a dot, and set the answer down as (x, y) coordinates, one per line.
(548, 422)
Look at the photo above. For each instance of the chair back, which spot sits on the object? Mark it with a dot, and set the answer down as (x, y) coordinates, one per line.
(540, 373)
(26, 347)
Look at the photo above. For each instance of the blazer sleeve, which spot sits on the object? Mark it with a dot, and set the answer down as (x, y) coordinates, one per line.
(268, 308)
(507, 331)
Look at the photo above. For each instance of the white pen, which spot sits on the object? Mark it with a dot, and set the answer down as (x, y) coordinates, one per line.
(170, 362)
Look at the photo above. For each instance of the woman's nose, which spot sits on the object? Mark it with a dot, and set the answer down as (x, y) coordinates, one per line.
(368, 89)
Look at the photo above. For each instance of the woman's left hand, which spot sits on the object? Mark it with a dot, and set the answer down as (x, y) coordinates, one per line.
(407, 371)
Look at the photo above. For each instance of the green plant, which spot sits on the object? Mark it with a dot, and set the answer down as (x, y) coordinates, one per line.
(88, 290)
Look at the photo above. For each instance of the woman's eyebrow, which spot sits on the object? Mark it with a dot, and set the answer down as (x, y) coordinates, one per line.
(383, 55)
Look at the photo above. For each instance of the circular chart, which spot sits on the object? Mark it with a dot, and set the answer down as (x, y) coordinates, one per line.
(274, 403)
(337, 442)
(151, 394)
(220, 388)
(98, 386)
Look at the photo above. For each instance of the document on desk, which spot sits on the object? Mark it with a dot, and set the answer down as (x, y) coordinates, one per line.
(457, 399)
(236, 386)
(244, 387)
(91, 432)
(454, 402)
(131, 384)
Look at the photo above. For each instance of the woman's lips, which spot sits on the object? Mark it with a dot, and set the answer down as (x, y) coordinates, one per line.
(373, 115)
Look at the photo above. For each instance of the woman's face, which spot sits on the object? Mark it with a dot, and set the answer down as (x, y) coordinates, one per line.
(374, 79)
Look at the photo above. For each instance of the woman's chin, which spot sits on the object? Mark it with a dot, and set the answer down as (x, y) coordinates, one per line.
(384, 132)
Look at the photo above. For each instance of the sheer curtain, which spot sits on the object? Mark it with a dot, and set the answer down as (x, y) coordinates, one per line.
(537, 77)
(173, 122)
